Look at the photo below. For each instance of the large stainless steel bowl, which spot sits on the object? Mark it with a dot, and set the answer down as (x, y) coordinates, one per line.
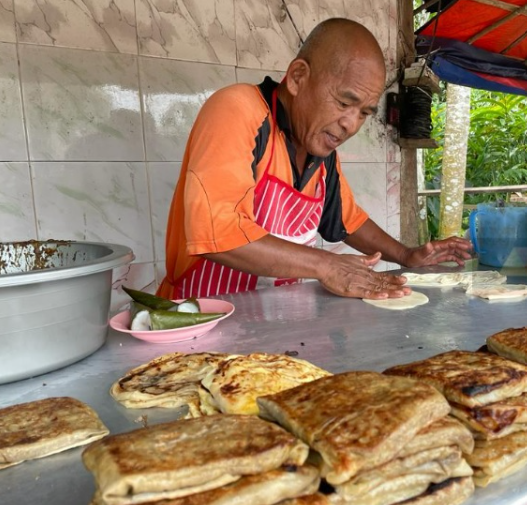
(54, 303)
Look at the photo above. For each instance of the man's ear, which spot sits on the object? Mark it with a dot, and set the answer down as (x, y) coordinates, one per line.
(297, 76)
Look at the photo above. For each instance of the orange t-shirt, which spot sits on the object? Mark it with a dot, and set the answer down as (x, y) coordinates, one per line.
(226, 155)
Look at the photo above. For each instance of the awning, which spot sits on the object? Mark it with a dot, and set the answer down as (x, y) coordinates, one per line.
(477, 43)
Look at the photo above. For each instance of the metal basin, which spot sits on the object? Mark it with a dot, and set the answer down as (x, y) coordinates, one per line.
(54, 303)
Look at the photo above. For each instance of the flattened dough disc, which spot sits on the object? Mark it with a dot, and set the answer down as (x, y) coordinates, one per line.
(414, 299)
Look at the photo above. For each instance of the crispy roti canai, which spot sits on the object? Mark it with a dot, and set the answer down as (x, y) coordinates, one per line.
(469, 378)
(189, 456)
(40, 428)
(170, 381)
(452, 492)
(510, 343)
(267, 488)
(355, 420)
(496, 419)
(239, 380)
(308, 499)
(493, 460)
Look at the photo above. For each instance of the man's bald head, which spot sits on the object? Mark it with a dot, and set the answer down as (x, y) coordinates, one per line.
(335, 42)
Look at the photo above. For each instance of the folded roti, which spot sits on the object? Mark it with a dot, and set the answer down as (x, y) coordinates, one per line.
(469, 378)
(267, 488)
(308, 499)
(169, 381)
(452, 492)
(239, 380)
(432, 466)
(355, 420)
(510, 343)
(189, 456)
(40, 428)
(443, 432)
(496, 419)
(493, 460)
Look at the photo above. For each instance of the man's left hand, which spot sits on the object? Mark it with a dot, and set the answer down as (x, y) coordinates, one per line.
(438, 251)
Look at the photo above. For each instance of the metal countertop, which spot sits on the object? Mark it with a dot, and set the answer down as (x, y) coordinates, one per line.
(335, 333)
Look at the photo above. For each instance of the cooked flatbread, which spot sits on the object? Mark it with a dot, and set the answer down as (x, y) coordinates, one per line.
(432, 466)
(190, 456)
(452, 492)
(266, 488)
(355, 420)
(239, 380)
(169, 381)
(510, 343)
(40, 428)
(444, 432)
(493, 460)
(496, 419)
(469, 378)
(309, 499)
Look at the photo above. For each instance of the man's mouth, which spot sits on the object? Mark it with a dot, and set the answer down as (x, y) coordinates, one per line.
(332, 140)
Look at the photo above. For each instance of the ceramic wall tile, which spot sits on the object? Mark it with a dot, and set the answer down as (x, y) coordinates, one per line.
(368, 145)
(103, 25)
(163, 177)
(265, 35)
(102, 202)
(160, 269)
(17, 214)
(193, 30)
(139, 276)
(173, 92)
(12, 137)
(81, 105)
(256, 76)
(368, 182)
(7, 21)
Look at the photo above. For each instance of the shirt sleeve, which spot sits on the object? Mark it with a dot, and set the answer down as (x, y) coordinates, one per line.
(341, 215)
(219, 187)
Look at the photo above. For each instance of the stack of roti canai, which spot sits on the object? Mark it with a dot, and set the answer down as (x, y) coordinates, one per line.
(488, 393)
(209, 383)
(213, 460)
(377, 440)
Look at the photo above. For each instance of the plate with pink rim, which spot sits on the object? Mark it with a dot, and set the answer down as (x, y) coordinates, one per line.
(121, 322)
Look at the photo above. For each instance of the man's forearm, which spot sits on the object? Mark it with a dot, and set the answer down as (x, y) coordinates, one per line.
(274, 257)
(370, 238)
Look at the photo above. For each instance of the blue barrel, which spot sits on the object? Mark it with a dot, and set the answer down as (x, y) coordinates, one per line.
(499, 235)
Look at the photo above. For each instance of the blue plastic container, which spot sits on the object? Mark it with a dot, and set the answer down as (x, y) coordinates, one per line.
(499, 235)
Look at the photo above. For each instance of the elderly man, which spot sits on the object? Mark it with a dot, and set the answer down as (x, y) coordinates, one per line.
(261, 177)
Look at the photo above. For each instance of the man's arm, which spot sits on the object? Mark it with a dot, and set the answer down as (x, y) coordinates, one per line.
(342, 274)
(370, 238)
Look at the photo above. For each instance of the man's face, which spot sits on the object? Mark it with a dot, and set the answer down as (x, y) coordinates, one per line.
(328, 110)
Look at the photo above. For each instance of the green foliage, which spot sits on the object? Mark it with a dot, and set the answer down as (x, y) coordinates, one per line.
(497, 148)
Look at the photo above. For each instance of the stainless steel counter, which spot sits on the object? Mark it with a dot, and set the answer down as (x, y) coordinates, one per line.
(335, 333)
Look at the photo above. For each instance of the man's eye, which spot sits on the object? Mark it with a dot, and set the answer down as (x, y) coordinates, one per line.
(343, 104)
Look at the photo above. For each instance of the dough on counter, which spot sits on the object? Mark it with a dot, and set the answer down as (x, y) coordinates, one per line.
(451, 279)
(414, 299)
(501, 292)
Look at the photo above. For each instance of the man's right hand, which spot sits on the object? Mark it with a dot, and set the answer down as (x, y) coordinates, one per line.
(352, 276)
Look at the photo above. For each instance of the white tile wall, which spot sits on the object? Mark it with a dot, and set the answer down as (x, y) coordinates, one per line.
(104, 94)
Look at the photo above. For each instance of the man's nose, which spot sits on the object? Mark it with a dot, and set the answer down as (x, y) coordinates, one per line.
(351, 122)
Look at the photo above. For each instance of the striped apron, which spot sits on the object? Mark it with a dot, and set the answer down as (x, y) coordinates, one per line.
(278, 208)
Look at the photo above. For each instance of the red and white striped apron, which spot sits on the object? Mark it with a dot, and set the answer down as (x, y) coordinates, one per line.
(278, 208)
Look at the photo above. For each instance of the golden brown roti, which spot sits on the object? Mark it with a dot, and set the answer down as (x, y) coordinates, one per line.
(266, 488)
(449, 492)
(239, 380)
(496, 419)
(309, 499)
(190, 456)
(44, 427)
(510, 343)
(444, 432)
(469, 378)
(355, 420)
(169, 381)
(493, 460)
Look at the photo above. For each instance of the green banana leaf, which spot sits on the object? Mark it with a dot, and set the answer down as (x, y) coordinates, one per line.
(166, 320)
(150, 301)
